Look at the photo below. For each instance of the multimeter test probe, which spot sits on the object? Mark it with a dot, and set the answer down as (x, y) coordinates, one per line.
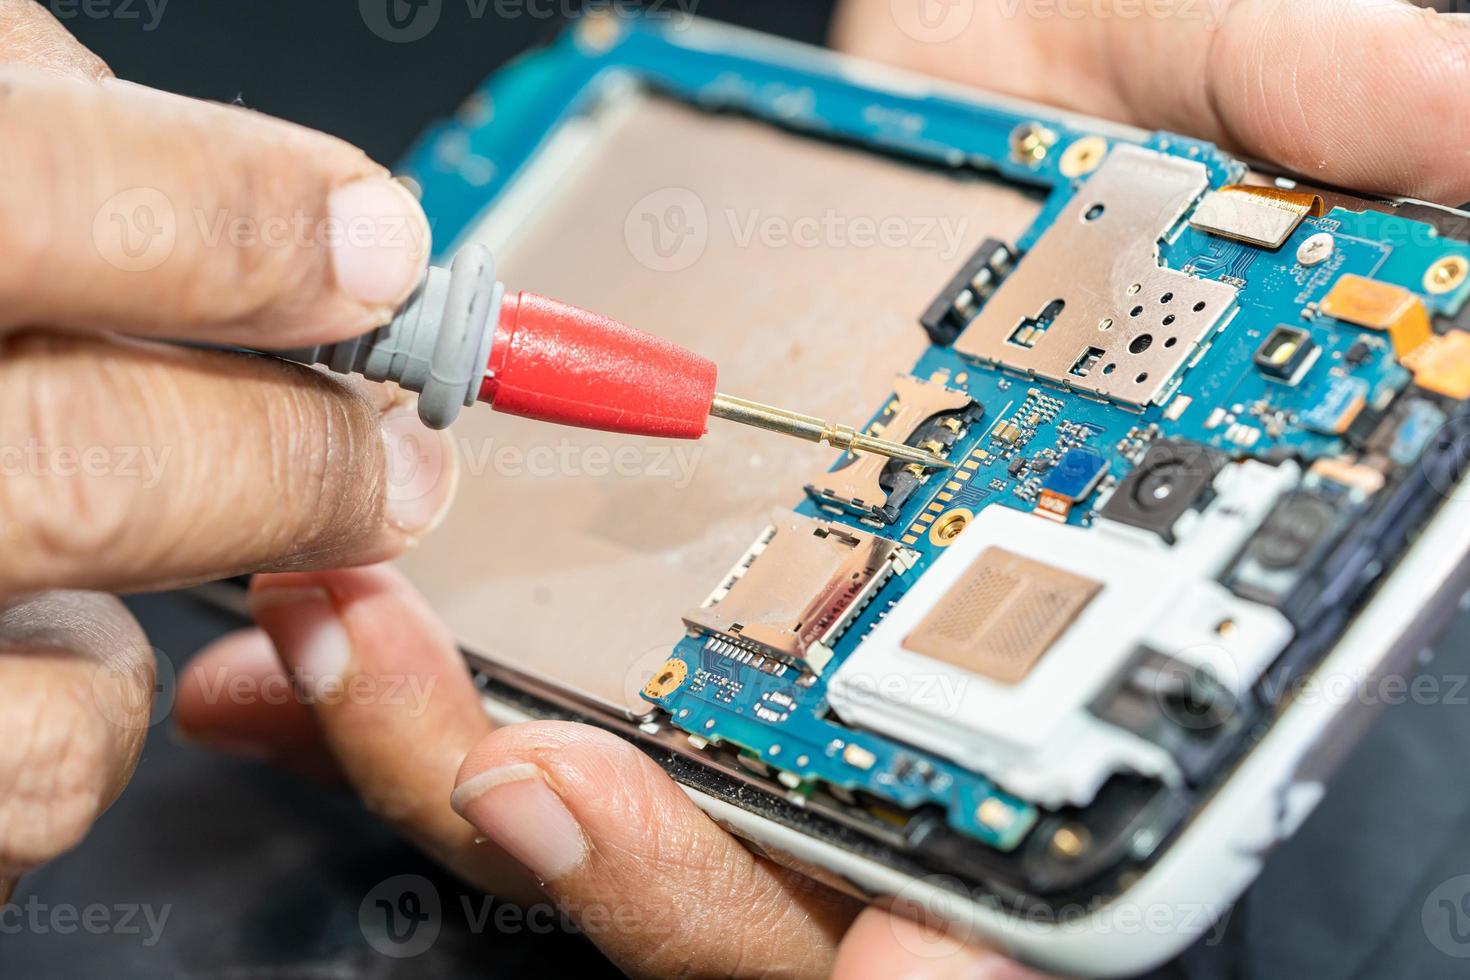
(462, 338)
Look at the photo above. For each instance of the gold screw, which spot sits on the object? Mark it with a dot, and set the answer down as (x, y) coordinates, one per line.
(668, 679)
(1447, 274)
(1030, 143)
(948, 527)
(1071, 842)
(1083, 156)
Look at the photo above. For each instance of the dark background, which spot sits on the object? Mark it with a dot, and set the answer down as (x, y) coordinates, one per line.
(263, 877)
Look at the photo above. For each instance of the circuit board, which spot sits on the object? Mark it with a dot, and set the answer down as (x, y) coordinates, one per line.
(1308, 341)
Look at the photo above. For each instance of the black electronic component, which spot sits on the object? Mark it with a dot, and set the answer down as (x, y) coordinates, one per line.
(1284, 351)
(1174, 476)
(959, 301)
(1291, 542)
(1179, 707)
(1016, 466)
(1358, 353)
(899, 480)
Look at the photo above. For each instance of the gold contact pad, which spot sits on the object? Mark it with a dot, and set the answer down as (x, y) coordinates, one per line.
(915, 402)
(797, 590)
(1002, 615)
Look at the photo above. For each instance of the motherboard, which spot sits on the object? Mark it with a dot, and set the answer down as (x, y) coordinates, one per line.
(1192, 415)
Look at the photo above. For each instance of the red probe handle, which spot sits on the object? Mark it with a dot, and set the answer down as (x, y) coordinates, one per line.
(558, 363)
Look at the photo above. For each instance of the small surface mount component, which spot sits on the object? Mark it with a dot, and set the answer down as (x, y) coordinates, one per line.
(797, 589)
(1073, 479)
(922, 414)
(1286, 353)
(960, 301)
(1340, 406)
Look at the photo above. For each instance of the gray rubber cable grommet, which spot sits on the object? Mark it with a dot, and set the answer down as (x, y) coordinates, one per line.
(436, 345)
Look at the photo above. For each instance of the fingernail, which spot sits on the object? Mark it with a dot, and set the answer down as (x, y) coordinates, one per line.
(515, 807)
(380, 242)
(422, 473)
(307, 632)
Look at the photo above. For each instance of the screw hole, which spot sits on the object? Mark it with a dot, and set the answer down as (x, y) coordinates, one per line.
(1199, 307)
(1168, 319)
(1106, 324)
(1171, 341)
(1141, 343)
(1133, 289)
(1094, 212)
(1109, 368)
(1166, 298)
(1136, 311)
(1142, 378)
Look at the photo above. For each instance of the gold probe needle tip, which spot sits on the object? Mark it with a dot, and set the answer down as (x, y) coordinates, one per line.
(813, 429)
(897, 450)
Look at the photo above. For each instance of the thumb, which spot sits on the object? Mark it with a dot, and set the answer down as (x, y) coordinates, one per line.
(643, 872)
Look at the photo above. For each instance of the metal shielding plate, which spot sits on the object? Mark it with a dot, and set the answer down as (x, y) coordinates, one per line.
(797, 588)
(1091, 307)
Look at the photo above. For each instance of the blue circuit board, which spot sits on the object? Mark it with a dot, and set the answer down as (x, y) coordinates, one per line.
(779, 716)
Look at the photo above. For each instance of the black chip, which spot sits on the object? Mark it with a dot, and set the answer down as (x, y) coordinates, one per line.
(1284, 351)
(1174, 476)
(1358, 353)
(951, 312)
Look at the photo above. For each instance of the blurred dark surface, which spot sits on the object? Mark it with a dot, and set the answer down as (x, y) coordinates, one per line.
(260, 876)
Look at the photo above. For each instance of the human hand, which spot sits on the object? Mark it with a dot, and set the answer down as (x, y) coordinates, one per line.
(653, 881)
(616, 845)
(128, 465)
(1365, 94)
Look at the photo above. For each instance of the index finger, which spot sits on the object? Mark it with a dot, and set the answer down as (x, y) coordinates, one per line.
(148, 213)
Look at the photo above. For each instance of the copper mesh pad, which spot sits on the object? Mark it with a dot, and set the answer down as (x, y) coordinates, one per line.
(1002, 615)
